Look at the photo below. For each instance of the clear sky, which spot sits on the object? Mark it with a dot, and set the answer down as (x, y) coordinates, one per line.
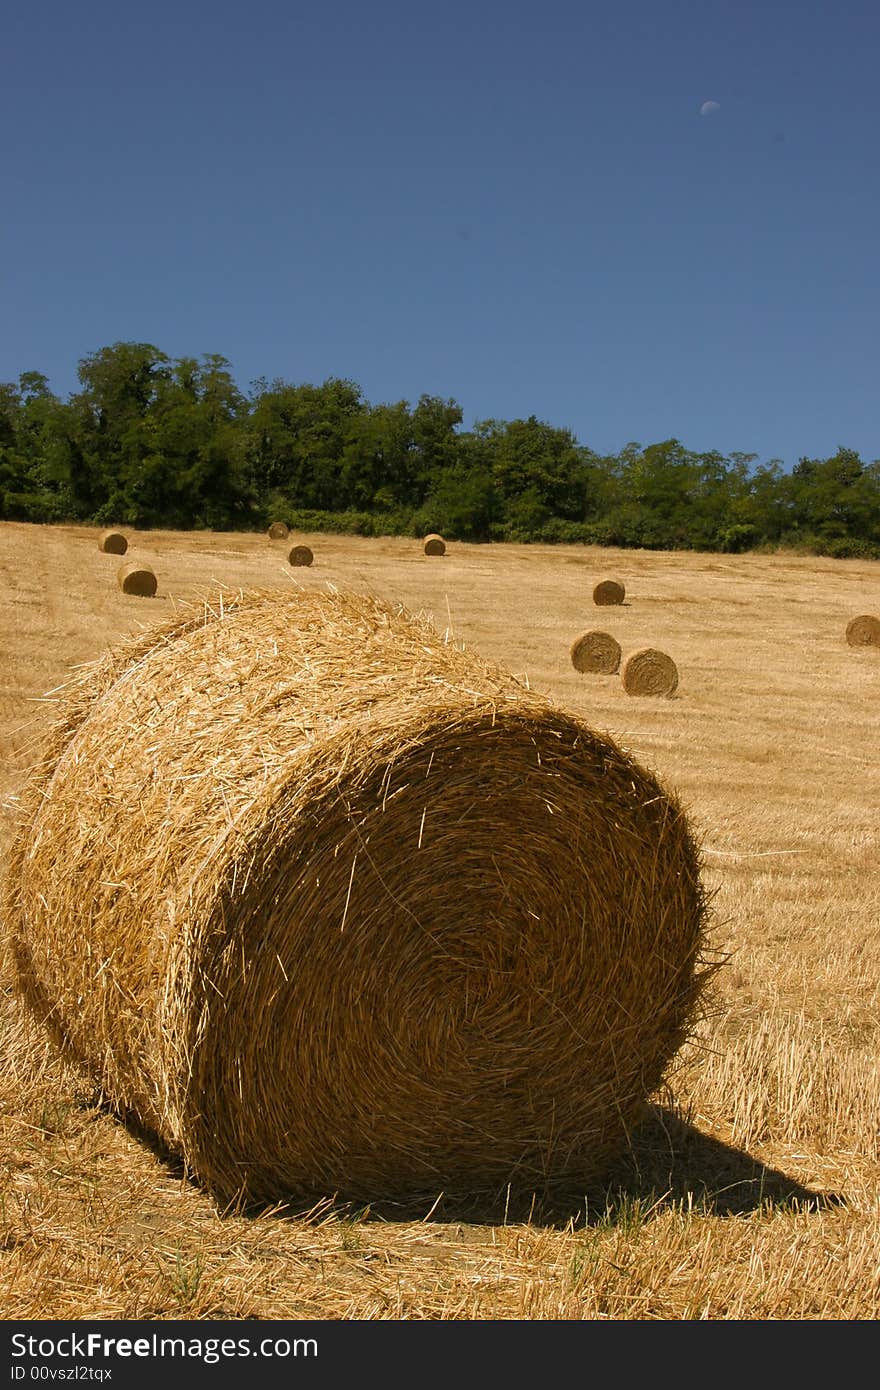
(636, 219)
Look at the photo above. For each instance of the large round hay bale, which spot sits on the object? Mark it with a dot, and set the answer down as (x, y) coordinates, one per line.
(113, 543)
(434, 544)
(278, 531)
(333, 906)
(649, 672)
(863, 631)
(300, 555)
(138, 579)
(608, 591)
(596, 652)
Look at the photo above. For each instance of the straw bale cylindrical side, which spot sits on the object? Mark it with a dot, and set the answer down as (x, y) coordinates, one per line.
(300, 555)
(336, 907)
(113, 543)
(649, 672)
(595, 652)
(137, 579)
(863, 631)
(278, 531)
(608, 591)
(434, 544)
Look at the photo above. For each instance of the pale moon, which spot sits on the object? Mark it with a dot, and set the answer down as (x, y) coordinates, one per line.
(708, 107)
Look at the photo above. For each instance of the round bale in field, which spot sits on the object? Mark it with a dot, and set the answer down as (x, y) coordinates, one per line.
(113, 543)
(434, 544)
(137, 579)
(863, 631)
(278, 531)
(333, 906)
(300, 555)
(649, 672)
(608, 591)
(597, 653)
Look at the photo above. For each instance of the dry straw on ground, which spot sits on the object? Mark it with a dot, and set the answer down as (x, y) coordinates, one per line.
(596, 652)
(138, 579)
(300, 555)
(113, 543)
(863, 631)
(278, 531)
(334, 906)
(608, 591)
(434, 544)
(649, 672)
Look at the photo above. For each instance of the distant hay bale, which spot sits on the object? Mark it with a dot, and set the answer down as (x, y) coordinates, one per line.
(434, 544)
(649, 672)
(596, 652)
(137, 579)
(333, 906)
(608, 591)
(300, 555)
(113, 543)
(278, 531)
(863, 631)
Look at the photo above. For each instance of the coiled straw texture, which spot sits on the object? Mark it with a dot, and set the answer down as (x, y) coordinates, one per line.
(596, 653)
(608, 592)
(335, 907)
(113, 543)
(863, 631)
(134, 578)
(649, 672)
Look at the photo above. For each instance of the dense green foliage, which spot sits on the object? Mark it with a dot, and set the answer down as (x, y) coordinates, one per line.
(151, 441)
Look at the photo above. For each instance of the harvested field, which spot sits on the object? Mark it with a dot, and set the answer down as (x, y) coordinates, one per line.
(752, 1187)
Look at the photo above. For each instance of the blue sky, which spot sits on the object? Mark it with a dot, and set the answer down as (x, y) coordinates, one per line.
(518, 206)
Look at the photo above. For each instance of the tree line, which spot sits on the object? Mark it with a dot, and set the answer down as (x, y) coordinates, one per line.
(154, 441)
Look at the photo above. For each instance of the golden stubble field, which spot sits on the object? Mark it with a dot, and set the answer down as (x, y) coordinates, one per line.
(753, 1188)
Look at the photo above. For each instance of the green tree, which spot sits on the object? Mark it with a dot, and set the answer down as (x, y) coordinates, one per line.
(194, 472)
(109, 442)
(836, 499)
(296, 438)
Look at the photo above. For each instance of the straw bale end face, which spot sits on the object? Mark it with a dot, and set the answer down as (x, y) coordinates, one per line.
(608, 592)
(412, 927)
(113, 543)
(595, 652)
(300, 555)
(434, 544)
(278, 531)
(863, 631)
(649, 672)
(137, 579)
